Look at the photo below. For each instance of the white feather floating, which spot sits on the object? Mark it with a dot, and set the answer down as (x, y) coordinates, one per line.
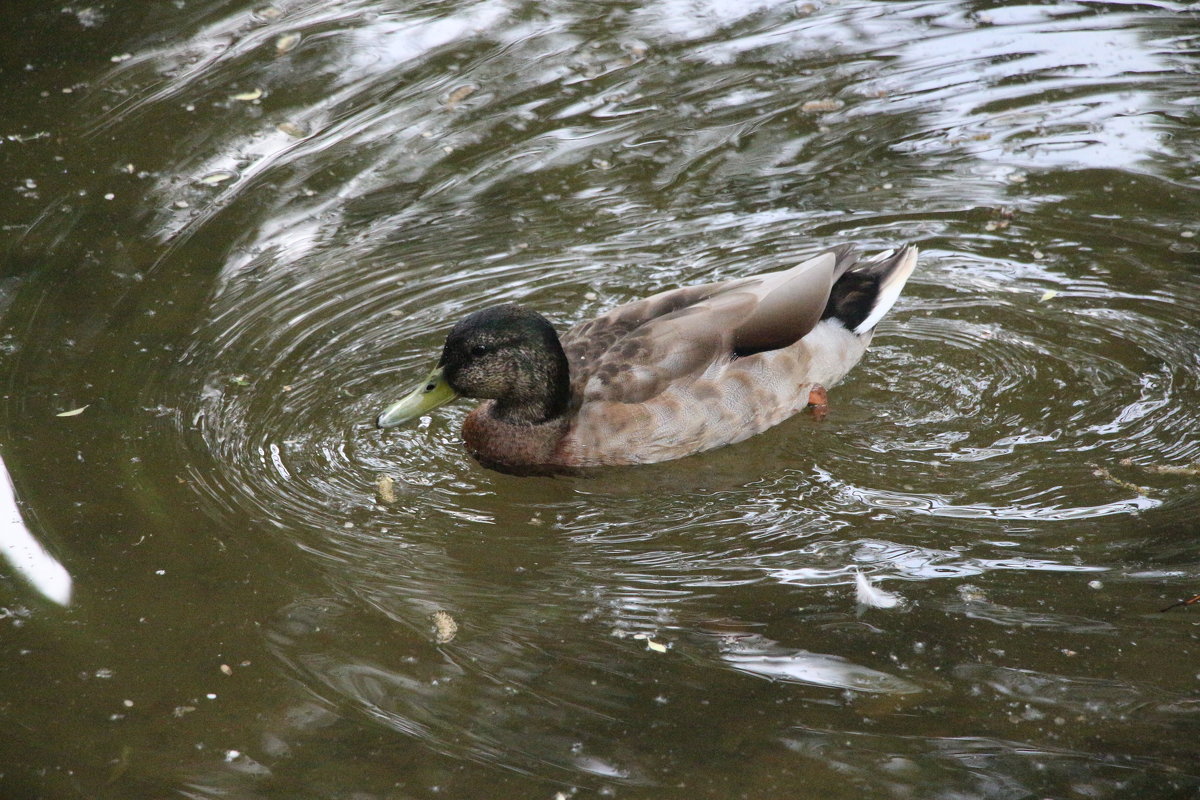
(870, 596)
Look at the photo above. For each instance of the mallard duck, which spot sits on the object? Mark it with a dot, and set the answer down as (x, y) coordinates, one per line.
(679, 372)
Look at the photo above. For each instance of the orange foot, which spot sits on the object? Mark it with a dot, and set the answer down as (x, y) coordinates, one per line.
(818, 398)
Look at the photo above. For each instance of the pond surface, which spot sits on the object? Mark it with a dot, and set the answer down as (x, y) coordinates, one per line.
(232, 233)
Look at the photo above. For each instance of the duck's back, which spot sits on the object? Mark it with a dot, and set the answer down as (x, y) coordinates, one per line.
(704, 366)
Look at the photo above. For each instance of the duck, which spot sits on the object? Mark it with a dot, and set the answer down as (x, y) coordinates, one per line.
(683, 371)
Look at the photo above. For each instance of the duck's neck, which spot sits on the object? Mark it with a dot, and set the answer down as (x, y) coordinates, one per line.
(542, 392)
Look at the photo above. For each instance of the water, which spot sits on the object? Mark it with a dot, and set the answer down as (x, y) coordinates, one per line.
(234, 232)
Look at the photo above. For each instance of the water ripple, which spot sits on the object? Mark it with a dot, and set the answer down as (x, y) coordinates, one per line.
(347, 196)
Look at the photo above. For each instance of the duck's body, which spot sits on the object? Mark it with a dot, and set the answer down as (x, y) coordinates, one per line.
(682, 371)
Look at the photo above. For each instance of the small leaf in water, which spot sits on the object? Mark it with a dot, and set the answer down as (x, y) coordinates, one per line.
(218, 177)
(1049, 294)
(287, 43)
(292, 129)
(74, 412)
(459, 94)
(818, 106)
(239, 380)
(657, 647)
(249, 96)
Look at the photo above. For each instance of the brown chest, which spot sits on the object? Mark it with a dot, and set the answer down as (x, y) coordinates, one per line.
(498, 444)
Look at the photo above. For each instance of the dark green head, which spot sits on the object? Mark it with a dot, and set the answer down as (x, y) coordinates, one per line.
(505, 353)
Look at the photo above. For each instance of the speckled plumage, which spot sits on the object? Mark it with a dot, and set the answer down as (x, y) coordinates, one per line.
(682, 371)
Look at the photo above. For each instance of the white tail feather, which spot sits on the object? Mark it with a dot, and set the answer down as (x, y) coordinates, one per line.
(889, 290)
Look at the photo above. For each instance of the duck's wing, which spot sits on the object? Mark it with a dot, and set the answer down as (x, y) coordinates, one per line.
(636, 351)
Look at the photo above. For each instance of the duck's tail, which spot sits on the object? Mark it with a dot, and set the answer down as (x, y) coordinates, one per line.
(867, 291)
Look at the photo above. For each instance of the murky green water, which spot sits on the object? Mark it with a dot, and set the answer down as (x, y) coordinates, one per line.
(234, 232)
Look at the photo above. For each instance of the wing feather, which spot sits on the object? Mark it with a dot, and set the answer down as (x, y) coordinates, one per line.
(637, 351)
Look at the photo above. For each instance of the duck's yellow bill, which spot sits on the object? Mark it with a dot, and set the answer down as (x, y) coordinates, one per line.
(429, 395)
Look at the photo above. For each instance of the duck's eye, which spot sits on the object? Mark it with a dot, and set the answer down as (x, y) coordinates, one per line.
(479, 350)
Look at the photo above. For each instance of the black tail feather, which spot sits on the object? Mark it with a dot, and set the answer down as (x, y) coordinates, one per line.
(856, 293)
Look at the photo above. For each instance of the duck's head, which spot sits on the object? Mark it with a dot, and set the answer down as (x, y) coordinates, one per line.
(505, 353)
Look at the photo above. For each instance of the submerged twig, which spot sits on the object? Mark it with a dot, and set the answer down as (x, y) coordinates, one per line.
(1101, 472)
(1191, 471)
(1185, 602)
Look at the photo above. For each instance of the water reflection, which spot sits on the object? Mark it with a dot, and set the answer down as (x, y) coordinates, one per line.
(254, 223)
(25, 554)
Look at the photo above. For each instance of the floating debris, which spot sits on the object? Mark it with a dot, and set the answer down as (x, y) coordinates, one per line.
(970, 593)
(1049, 294)
(385, 489)
(74, 412)
(292, 129)
(459, 94)
(218, 177)
(226, 669)
(445, 628)
(1101, 472)
(21, 138)
(821, 106)
(872, 596)
(657, 647)
(117, 59)
(1000, 218)
(287, 43)
(247, 97)
(1164, 469)
(1189, 601)
(267, 13)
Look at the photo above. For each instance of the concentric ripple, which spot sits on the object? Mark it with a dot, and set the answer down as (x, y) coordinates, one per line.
(392, 169)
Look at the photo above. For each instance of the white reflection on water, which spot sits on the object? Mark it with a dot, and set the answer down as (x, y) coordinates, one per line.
(760, 656)
(25, 553)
